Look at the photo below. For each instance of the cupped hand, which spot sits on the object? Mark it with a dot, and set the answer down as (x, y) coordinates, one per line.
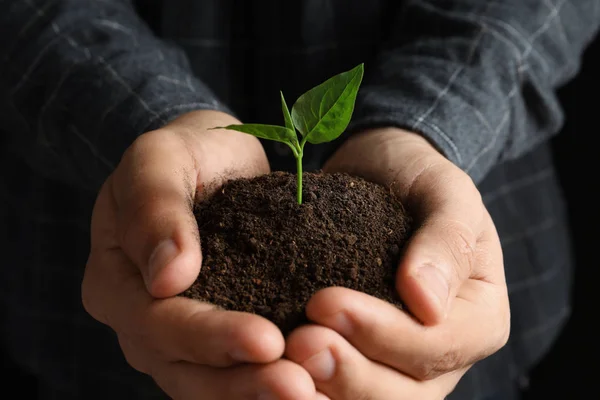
(145, 250)
(451, 278)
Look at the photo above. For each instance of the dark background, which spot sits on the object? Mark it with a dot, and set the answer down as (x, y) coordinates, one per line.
(571, 365)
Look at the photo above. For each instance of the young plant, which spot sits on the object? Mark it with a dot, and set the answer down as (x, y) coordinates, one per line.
(320, 115)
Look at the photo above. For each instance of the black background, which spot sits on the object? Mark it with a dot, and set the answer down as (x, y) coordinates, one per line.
(570, 367)
(573, 364)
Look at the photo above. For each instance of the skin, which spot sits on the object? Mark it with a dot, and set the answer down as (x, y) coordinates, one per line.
(451, 278)
(145, 250)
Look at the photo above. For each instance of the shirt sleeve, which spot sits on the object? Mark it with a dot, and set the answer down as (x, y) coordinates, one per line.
(477, 78)
(80, 80)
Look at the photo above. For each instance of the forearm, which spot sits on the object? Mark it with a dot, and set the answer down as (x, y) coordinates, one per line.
(80, 80)
(478, 79)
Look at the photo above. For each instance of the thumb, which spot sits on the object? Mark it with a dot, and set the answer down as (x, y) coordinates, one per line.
(154, 189)
(442, 253)
(438, 259)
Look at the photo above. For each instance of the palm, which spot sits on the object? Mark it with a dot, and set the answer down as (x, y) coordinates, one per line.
(451, 278)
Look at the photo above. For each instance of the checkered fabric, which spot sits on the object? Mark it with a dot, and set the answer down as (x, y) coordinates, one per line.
(81, 79)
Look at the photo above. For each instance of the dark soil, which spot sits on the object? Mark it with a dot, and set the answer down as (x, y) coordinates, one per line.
(265, 254)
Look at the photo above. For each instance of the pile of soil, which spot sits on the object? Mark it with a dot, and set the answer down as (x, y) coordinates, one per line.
(265, 254)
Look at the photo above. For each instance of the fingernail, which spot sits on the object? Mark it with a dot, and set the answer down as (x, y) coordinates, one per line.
(436, 281)
(240, 355)
(341, 323)
(321, 366)
(162, 255)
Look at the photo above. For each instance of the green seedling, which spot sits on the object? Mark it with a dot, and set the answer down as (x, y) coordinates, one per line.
(320, 115)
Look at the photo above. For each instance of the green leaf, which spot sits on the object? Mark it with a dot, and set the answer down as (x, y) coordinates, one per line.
(286, 114)
(324, 112)
(270, 132)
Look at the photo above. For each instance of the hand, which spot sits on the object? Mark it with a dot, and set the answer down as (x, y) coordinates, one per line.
(451, 278)
(145, 250)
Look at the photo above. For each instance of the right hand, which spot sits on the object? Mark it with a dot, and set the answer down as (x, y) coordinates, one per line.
(145, 250)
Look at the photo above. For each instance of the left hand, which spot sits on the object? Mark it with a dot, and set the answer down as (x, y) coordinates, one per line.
(451, 278)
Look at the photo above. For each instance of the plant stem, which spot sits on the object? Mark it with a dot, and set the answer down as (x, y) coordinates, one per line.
(299, 154)
(299, 168)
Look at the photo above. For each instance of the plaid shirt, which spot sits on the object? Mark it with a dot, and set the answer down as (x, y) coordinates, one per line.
(81, 79)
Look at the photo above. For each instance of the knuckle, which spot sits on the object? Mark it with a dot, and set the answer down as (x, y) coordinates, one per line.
(501, 326)
(88, 304)
(158, 139)
(462, 244)
(134, 360)
(428, 168)
(88, 298)
(503, 339)
(504, 331)
(496, 343)
(148, 139)
(463, 182)
(470, 189)
(449, 360)
(146, 147)
(136, 147)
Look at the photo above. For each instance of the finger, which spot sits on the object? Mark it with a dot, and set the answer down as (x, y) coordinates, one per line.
(154, 188)
(279, 380)
(441, 257)
(282, 380)
(176, 328)
(341, 372)
(135, 357)
(387, 335)
(445, 249)
(446, 207)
